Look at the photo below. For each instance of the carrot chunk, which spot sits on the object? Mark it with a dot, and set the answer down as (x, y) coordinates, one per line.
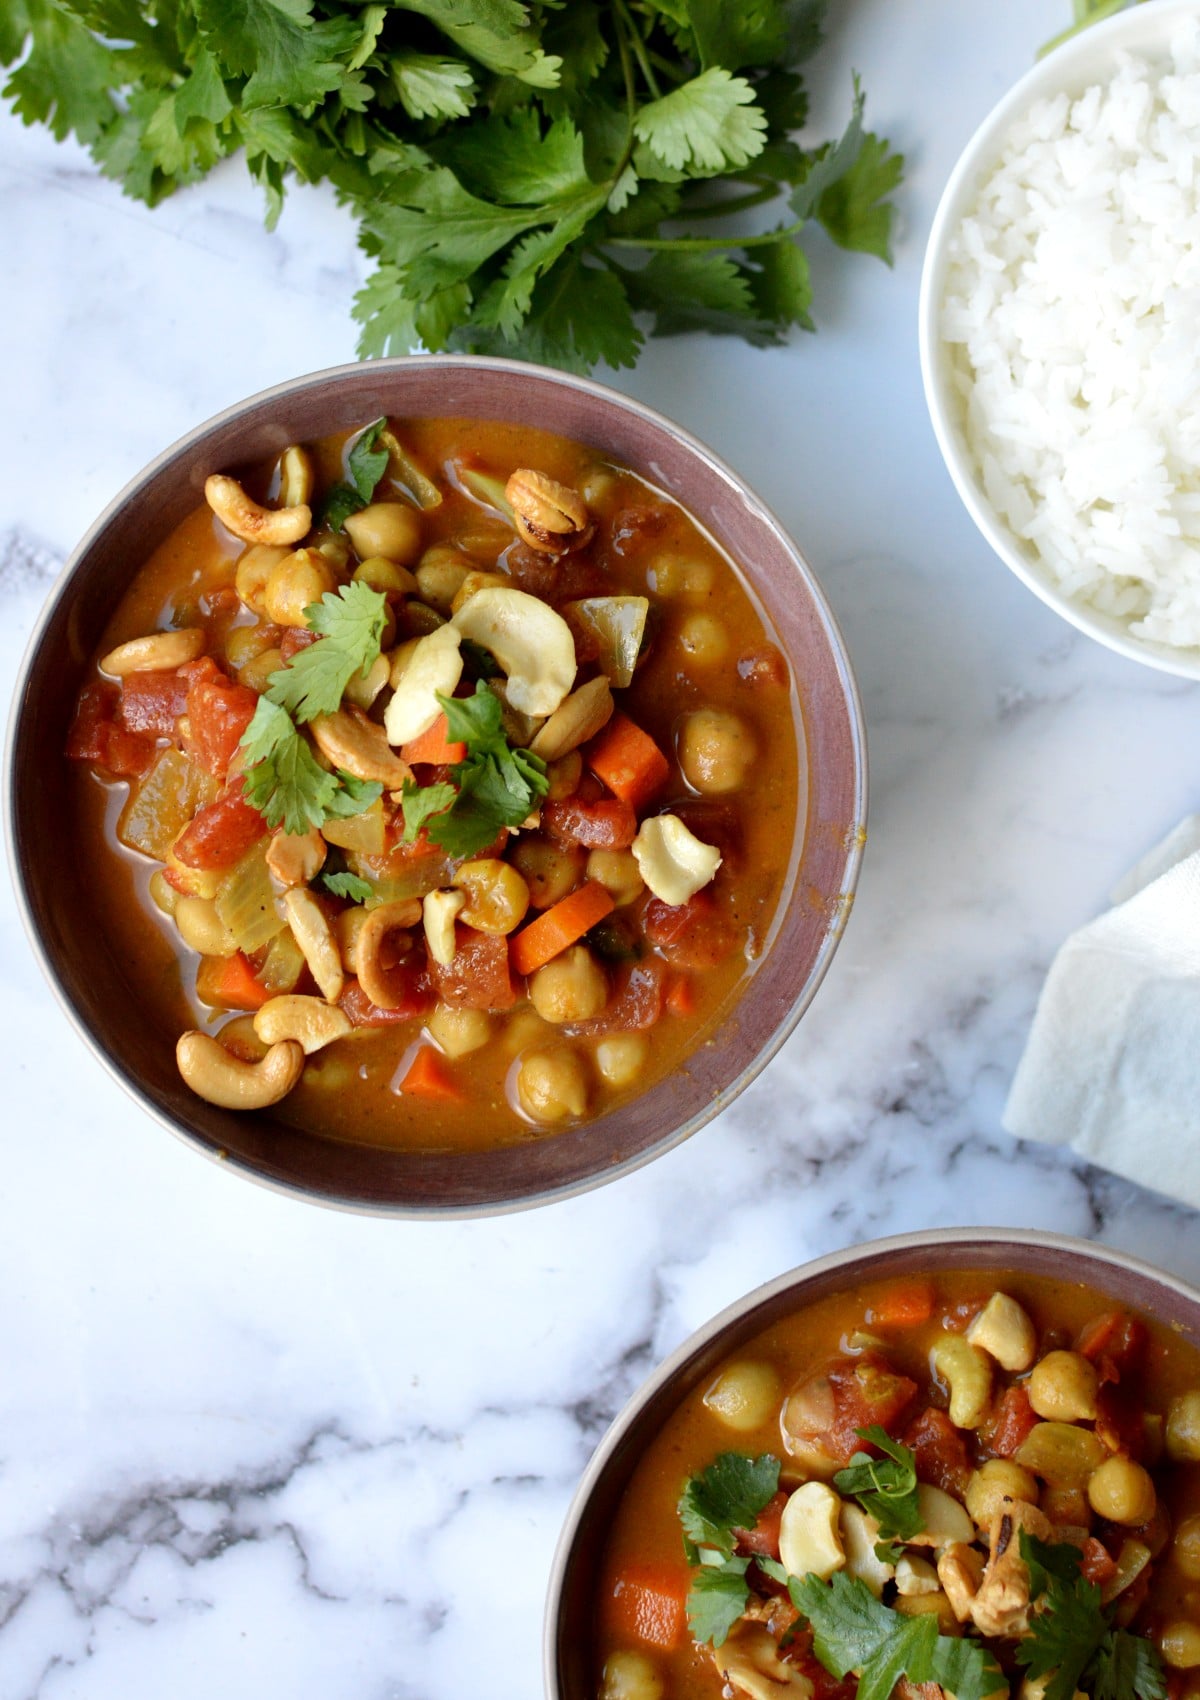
(434, 747)
(559, 926)
(648, 1603)
(905, 1305)
(628, 761)
(228, 982)
(428, 1077)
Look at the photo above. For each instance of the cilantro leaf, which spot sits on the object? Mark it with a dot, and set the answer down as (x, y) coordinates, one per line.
(854, 208)
(493, 787)
(430, 87)
(283, 779)
(885, 1488)
(350, 621)
(707, 124)
(728, 1495)
(1071, 1638)
(352, 796)
(515, 161)
(853, 1631)
(288, 58)
(348, 885)
(421, 802)
(718, 1596)
(367, 465)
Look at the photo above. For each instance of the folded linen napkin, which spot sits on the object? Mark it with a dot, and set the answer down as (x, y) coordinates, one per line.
(1112, 1065)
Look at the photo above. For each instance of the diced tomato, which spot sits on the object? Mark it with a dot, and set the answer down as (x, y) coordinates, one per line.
(763, 667)
(294, 639)
(763, 1538)
(88, 738)
(694, 934)
(220, 833)
(1119, 1417)
(152, 702)
(636, 1002)
(418, 997)
(866, 1390)
(1097, 1563)
(1115, 1342)
(129, 753)
(479, 976)
(1014, 1419)
(940, 1451)
(631, 525)
(218, 712)
(605, 824)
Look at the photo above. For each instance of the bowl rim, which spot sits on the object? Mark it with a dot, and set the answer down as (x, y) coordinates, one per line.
(1138, 27)
(988, 1243)
(523, 372)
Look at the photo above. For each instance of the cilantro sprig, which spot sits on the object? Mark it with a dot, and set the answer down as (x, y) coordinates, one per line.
(714, 1504)
(853, 1631)
(282, 778)
(494, 786)
(1072, 1639)
(529, 178)
(366, 464)
(885, 1487)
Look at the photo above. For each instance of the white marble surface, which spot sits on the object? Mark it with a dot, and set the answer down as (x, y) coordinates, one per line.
(252, 1447)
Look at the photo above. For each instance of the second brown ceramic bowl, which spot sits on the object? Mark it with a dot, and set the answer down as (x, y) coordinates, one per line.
(1111, 1275)
(111, 1013)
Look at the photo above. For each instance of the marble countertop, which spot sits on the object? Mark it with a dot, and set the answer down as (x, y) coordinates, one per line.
(254, 1447)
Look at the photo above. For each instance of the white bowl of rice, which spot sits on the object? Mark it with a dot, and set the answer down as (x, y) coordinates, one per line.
(1060, 331)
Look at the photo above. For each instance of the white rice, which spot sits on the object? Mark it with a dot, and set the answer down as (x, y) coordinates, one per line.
(1072, 311)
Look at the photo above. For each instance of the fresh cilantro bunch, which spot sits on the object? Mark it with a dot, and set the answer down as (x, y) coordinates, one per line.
(282, 777)
(493, 787)
(537, 178)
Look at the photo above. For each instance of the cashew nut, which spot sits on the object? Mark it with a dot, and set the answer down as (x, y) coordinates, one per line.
(549, 516)
(220, 1078)
(295, 477)
(312, 933)
(532, 643)
(376, 974)
(578, 718)
(960, 1571)
(439, 910)
(630, 1676)
(860, 1536)
(347, 739)
(810, 1541)
(674, 863)
(248, 519)
(967, 1373)
(365, 687)
(1004, 1330)
(160, 652)
(422, 669)
(942, 1519)
(294, 858)
(311, 1022)
(915, 1576)
(750, 1666)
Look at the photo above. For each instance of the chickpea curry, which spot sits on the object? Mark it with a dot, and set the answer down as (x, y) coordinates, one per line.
(972, 1485)
(441, 781)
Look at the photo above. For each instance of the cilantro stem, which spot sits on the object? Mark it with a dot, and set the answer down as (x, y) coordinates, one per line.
(703, 244)
(627, 27)
(735, 204)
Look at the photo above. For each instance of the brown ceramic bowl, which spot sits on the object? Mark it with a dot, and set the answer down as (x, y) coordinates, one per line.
(113, 1016)
(567, 1642)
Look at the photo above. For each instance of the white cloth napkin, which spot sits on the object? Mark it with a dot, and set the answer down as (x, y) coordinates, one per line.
(1112, 1066)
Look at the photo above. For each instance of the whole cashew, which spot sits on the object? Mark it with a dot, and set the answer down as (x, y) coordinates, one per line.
(160, 652)
(376, 975)
(220, 1078)
(248, 519)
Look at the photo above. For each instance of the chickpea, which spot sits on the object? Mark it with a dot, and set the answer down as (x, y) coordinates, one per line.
(460, 1031)
(334, 549)
(1063, 1387)
(440, 575)
(745, 1395)
(385, 576)
(994, 1481)
(682, 575)
(294, 583)
(390, 529)
(253, 569)
(256, 673)
(1122, 1491)
(703, 639)
(619, 1059)
(1179, 1643)
(716, 750)
(571, 987)
(630, 1676)
(162, 893)
(563, 776)
(245, 642)
(1186, 1548)
(1183, 1428)
(549, 870)
(617, 871)
(551, 1086)
(497, 896)
(1067, 1507)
